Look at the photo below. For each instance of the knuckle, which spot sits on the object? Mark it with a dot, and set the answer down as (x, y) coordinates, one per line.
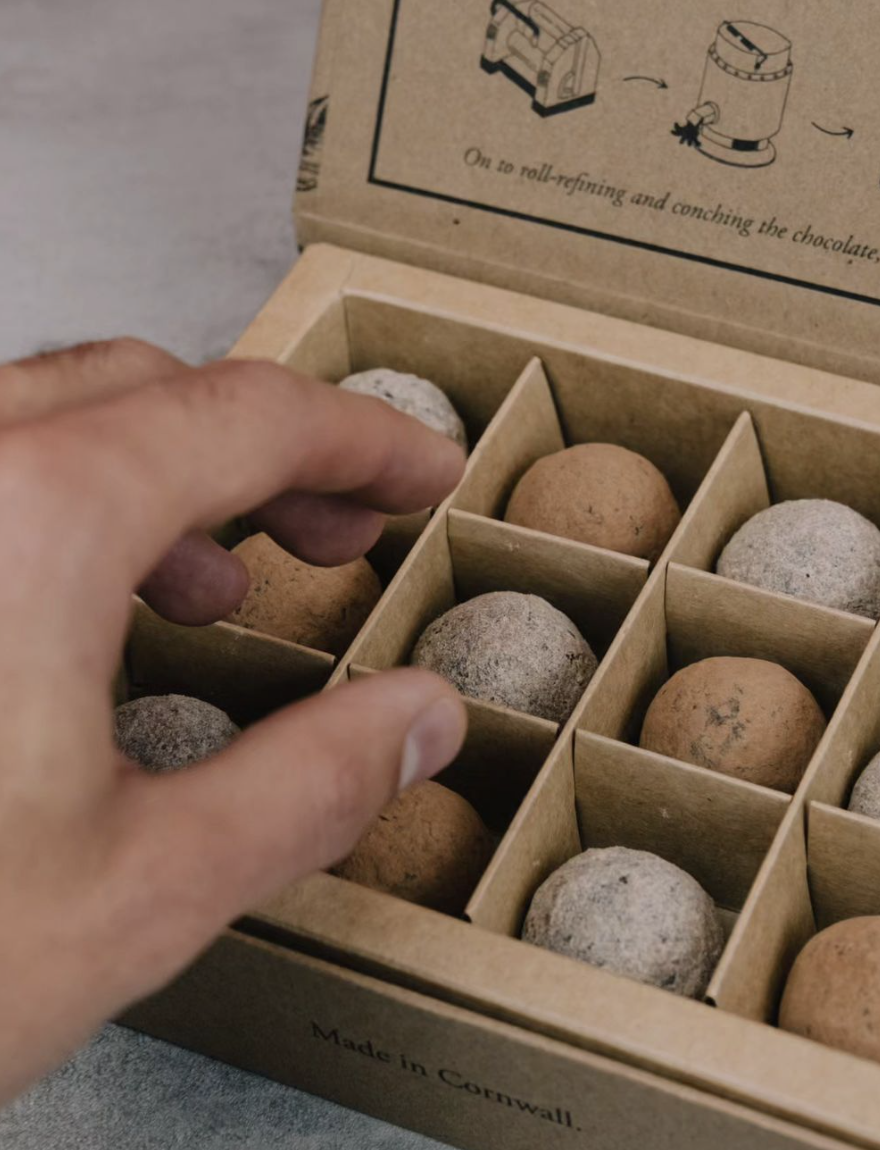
(236, 386)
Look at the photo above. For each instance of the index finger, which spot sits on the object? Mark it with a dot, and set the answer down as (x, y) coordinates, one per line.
(193, 450)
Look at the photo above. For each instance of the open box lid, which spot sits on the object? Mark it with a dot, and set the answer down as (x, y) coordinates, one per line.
(715, 172)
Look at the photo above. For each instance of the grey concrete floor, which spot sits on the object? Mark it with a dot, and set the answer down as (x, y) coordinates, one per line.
(149, 154)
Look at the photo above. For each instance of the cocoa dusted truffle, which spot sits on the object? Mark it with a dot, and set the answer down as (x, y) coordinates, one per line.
(812, 549)
(319, 607)
(429, 846)
(632, 913)
(833, 992)
(167, 732)
(513, 650)
(748, 718)
(413, 396)
(600, 494)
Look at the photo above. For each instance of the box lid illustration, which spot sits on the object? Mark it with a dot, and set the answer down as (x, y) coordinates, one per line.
(711, 169)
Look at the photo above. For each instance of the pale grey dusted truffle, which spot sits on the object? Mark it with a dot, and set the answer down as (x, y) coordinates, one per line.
(514, 650)
(865, 798)
(813, 549)
(413, 396)
(632, 913)
(167, 732)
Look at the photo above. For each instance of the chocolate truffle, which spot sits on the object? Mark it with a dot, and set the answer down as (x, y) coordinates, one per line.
(600, 494)
(865, 798)
(833, 991)
(510, 649)
(429, 846)
(413, 396)
(813, 549)
(167, 732)
(632, 913)
(319, 607)
(742, 717)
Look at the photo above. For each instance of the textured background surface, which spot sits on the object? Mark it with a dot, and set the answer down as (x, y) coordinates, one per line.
(149, 153)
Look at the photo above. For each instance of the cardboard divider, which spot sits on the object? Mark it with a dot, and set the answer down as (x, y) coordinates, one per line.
(634, 669)
(594, 587)
(462, 556)
(323, 351)
(476, 375)
(716, 828)
(734, 490)
(707, 616)
(808, 457)
(775, 923)
(602, 401)
(843, 853)
(422, 589)
(501, 758)
(686, 615)
(602, 793)
(543, 835)
(246, 674)
(533, 424)
(852, 738)
(525, 429)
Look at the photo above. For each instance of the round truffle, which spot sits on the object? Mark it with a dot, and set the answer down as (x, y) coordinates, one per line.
(510, 649)
(413, 396)
(167, 732)
(632, 913)
(833, 992)
(429, 847)
(319, 607)
(865, 797)
(813, 549)
(742, 717)
(600, 494)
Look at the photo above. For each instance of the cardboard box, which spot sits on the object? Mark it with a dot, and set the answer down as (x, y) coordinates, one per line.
(457, 1028)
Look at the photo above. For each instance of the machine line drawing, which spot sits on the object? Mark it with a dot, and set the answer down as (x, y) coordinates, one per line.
(742, 102)
(556, 63)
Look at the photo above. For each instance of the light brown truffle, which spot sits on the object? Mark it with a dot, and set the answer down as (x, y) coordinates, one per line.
(513, 650)
(833, 991)
(632, 913)
(429, 847)
(600, 494)
(413, 396)
(742, 717)
(813, 549)
(166, 732)
(319, 607)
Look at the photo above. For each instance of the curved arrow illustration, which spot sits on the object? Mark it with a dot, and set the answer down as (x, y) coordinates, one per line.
(649, 79)
(848, 132)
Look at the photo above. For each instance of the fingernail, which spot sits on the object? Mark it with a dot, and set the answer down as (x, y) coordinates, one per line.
(433, 741)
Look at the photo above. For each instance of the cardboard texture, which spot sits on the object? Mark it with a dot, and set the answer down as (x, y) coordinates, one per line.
(667, 179)
(724, 187)
(729, 450)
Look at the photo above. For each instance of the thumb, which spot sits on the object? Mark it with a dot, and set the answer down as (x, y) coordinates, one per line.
(291, 796)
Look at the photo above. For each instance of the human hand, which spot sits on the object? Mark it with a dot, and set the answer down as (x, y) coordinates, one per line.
(114, 461)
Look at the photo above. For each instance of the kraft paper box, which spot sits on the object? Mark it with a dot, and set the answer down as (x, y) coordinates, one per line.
(454, 1026)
